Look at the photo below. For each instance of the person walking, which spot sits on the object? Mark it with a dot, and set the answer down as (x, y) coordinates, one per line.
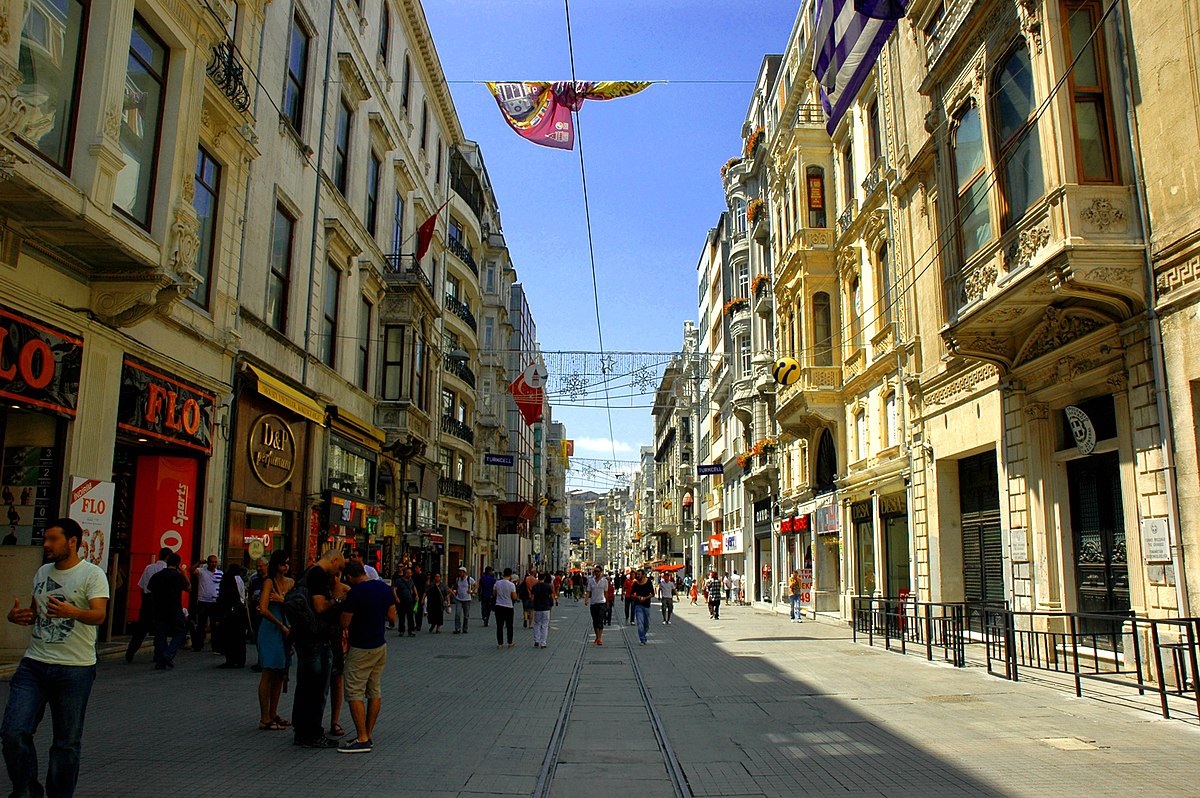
(695, 590)
(272, 646)
(643, 595)
(727, 586)
(506, 595)
(487, 593)
(436, 600)
(311, 631)
(594, 598)
(406, 594)
(666, 597)
(339, 644)
(166, 596)
(233, 619)
(610, 598)
(365, 613)
(208, 584)
(145, 621)
(627, 595)
(543, 601)
(68, 603)
(795, 590)
(460, 593)
(712, 592)
(420, 581)
(735, 588)
(524, 593)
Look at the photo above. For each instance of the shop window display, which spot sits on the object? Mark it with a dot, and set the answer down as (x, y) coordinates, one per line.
(29, 474)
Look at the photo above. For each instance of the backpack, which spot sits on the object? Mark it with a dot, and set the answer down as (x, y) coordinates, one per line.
(298, 612)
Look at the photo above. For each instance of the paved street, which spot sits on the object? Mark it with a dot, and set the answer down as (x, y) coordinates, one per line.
(749, 706)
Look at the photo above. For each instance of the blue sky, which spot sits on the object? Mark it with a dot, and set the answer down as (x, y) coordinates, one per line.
(652, 160)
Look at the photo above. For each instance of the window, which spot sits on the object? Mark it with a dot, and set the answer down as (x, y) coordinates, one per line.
(739, 216)
(447, 403)
(398, 225)
(974, 223)
(341, 146)
(364, 344)
(50, 59)
(1089, 92)
(279, 282)
(860, 435)
(743, 350)
(848, 174)
(874, 136)
(453, 287)
(1019, 157)
(405, 82)
(393, 362)
(489, 280)
(437, 169)
(454, 232)
(822, 329)
(420, 365)
(297, 75)
(141, 118)
(883, 269)
(373, 169)
(743, 280)
(489, 334)
(793, 334)
(208, 185)
(424, 124)
(890, 436)
(856, 309)
(385, 34)
(930, 30)
(329, 320)
(816, 196)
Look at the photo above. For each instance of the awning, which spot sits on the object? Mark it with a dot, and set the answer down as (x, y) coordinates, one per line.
(356, 429)
(283, 394)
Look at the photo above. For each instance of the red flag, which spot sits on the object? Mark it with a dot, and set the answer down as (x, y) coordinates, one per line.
(425, 233)
(529, 400)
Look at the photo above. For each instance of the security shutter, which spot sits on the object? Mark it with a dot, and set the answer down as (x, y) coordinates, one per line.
(983, 554)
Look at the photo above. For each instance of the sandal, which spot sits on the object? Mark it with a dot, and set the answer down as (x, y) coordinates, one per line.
(272, 726)
(281, 722)
(336, 730)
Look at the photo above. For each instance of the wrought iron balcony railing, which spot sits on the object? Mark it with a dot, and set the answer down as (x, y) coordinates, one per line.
(406, 268)
(460, 250)
(455, 489)
(229, 75)
(460, 309)
(459, 369)
(459, 429)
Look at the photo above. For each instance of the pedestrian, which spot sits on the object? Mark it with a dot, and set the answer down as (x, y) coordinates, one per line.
(69, 602)
(557, 587)
(543, 601)
(643, 595)
(610, 598)
(233, 619)
(627, 595)
(524, 592)
(460, 593)
(145, 621)
(166, 596)
(487, 593)
(695, 589)
(338, 646)
(208, 583)
(727, 586)
(356, 555)
(272, 642)
(506, 595)
(254, 593)
(712, 592)
(436, 602)
(594, 597)
(420, 582)
(735, 586)
(795, 589)
(312, 632)
(368, 607)
(406, 595)
(666, 597)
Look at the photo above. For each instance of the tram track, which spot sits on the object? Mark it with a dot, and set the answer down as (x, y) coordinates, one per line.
(554, 749)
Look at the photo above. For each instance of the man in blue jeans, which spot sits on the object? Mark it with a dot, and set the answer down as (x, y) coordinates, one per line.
(314, 657)
(642, 593)
(70, 599)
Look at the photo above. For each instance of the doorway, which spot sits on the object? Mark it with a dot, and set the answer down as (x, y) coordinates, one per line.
(982, 541)
(1098, 530)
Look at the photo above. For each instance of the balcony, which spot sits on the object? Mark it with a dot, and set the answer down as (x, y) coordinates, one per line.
(455, 489)
(406, 270)
(812, 401)
(228, 74)
(460, 309)
(738, 317)
(875, 177)
(459, 429)
(760, 472)
(810, 115)
(847, 218)
(458, 368)
(460, 251)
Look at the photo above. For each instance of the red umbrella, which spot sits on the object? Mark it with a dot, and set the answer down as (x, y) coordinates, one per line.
(676, 567)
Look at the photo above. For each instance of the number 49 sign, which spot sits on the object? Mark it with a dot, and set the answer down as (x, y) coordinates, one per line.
(92, 507)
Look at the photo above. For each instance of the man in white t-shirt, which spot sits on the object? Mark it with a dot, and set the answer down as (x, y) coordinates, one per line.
(461, 592)
(735, 583)
(594, 597)
(145, 622)
(70, 600)
(504, 592)
(666, 596)
(208, 584)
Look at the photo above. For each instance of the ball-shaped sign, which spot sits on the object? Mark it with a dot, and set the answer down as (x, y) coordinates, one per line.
(787, 370)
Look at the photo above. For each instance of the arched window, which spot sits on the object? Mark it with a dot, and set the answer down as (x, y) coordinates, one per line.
(861, 444)
(856, 311)
(822, 330)
(815, 176)
(884, 281)
(739, 216)
(1018, 153)
(891, 431)
(974, 221)
(825, 474)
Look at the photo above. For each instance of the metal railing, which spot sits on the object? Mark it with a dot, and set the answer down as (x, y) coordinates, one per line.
(924, 626)
(847, 217)
(460, 309)
(1072, 643)
(459, 429)
(454, 489)
(406, 269)
(229, 75)
(459, 369)
(462, 253)
(809, 115)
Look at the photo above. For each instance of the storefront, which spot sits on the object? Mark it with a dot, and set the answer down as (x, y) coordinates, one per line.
(351, 509)
(794, 551)
(165, 428)
(863, 529)
(893, 517)
(269, 469)
(761, 568)
(827, 555)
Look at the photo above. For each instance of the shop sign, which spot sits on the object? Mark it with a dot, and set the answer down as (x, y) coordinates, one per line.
(762, 513)
(92, 507)
(491, 458)
(1156, 540)
(164, 408)
(1019, 545)
(39, 364)
(893, 504)
(732, 543)
(272, 450)
(163, 513)
(715, 546)
(710, 469)
(825, 520)
(1081, 429)
(806, 587)
(860, 511)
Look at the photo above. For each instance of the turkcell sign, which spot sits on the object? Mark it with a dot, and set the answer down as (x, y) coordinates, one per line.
(490, 458)
(554, 519)
(710, 469)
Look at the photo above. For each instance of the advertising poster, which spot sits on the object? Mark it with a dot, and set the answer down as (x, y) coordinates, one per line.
(26, 487)
(163, 515)
(92, 507)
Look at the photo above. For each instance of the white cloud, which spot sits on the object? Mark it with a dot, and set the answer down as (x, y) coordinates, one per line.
(602, 447)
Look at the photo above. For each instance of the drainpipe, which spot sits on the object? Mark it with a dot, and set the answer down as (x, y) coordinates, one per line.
(1156, 344)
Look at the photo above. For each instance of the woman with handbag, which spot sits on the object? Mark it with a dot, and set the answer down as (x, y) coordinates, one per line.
(272, 643)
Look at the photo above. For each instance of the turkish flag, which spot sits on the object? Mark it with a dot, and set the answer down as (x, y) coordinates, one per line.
(425, 233)
(530, 401)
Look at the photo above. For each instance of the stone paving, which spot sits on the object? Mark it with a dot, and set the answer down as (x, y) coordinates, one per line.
(752, 705)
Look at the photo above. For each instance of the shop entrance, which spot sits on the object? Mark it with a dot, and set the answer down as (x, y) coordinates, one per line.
(983, 552)
(895, 539)
(1098, 528)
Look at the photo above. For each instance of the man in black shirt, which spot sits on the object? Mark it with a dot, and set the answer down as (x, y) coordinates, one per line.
(642, 592)
(543, 601)
(314, 653)
(166, 589)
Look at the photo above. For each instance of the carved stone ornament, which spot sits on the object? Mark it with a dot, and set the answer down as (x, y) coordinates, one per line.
(978, 282)
(989, 344)
(1021, 251)
(1037, 411)
(185, 239)
(5, 35)
(1102, 214)
(112, 123)
(1031, 22)
(1057, 329)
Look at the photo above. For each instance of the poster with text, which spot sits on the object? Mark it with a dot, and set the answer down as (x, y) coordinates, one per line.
(92, 507)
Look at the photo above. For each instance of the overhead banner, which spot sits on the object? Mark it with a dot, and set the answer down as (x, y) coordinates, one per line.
(540, 111)
(39, 364)
(165, 408)
(849, 37)
(528, 390)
